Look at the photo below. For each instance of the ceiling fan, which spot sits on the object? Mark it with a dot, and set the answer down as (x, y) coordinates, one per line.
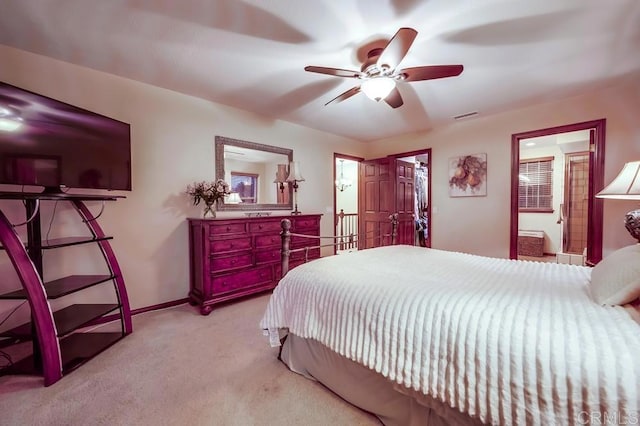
(379, 74)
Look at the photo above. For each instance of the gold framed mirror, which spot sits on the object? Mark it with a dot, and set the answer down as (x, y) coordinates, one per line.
(256, 174)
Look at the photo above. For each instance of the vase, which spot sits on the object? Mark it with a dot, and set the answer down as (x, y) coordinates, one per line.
(209, 209)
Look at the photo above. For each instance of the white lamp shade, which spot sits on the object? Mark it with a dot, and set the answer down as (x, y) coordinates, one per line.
(233, 198)
(294, 172)
(626, 186)
(378, 88)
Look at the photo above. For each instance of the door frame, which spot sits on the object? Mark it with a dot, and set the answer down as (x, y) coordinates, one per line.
(429, 161)
(596, 183)
(336, 157)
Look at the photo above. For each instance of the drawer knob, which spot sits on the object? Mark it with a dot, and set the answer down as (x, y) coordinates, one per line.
(228, 228)
(259, 226)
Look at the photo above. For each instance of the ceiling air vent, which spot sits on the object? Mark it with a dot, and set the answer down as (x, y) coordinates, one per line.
(467, 115)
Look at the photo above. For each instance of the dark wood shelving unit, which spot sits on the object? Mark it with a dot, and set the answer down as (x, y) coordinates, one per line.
(63, 286)
(57, 196)
(59, 344)
(66, 320)
(54, 243)
(75, 350)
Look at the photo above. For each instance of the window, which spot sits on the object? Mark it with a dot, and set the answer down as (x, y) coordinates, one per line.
(535, 191)
(246, 185)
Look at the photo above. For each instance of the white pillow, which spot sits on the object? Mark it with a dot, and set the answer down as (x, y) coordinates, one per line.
(616, 279)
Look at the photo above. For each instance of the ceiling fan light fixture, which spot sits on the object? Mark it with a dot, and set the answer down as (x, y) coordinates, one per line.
(378, 88)
(379, 72)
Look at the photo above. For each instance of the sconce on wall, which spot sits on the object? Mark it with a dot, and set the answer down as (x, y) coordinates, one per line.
(294, 177)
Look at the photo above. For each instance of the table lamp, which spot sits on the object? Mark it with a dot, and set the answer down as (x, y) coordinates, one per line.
(233, 198)
(626, 186)
(294, 177)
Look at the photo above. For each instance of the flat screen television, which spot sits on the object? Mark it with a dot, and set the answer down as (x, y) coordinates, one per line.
(57, 145)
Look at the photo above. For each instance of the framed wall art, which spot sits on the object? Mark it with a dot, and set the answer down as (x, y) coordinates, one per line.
(468, 176)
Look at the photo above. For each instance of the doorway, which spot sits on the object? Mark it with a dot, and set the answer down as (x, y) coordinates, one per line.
(422, 186)
(556, 173)
(386, 189)
(399, 183)
(345, 201)
(553, 182)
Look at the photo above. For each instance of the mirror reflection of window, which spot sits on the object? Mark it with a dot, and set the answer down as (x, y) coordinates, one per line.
(246, 185)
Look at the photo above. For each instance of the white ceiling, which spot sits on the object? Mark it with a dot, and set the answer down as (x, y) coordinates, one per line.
(250, 54)
(567, 142)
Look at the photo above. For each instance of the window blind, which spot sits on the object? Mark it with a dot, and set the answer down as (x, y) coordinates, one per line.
(535, 190)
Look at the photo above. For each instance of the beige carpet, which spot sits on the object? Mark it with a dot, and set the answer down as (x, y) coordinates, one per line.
(181, 368)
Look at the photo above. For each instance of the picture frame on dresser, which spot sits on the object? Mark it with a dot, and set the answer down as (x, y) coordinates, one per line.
(230, 258)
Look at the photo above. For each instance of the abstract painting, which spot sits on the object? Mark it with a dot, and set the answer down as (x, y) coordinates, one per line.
(468, 176)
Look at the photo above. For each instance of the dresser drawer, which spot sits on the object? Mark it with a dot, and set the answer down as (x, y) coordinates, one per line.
(230, 282)
(273, 225)
(306, 223)
(216, 229)
(269, 240)
(264, 256)
(220, 263)
(230, 244)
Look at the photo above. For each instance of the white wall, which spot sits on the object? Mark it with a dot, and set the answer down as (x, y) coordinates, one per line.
(481, 224)
(172, 146)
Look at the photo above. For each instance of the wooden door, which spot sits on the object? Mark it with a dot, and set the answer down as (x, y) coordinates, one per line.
(405, 202)
(386, 187)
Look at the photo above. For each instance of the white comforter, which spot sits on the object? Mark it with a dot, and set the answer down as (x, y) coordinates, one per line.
(508, 342)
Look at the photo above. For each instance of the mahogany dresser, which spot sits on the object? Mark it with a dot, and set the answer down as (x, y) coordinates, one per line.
(231, 258)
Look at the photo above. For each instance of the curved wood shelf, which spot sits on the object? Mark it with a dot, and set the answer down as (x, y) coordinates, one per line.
(66, 320)
(63, 286)
(76, 350)
(57, 346)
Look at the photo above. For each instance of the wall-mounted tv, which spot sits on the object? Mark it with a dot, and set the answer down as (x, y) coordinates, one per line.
(56, 145)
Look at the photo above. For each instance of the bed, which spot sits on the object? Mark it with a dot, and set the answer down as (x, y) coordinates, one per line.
(425, 336)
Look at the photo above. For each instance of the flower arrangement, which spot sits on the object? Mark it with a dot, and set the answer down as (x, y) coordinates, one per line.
(209, 192)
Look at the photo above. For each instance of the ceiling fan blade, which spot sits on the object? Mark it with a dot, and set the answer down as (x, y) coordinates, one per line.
(431, 72)
(338, 72)
(397, 48)
(394, 99)
(346, 95)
